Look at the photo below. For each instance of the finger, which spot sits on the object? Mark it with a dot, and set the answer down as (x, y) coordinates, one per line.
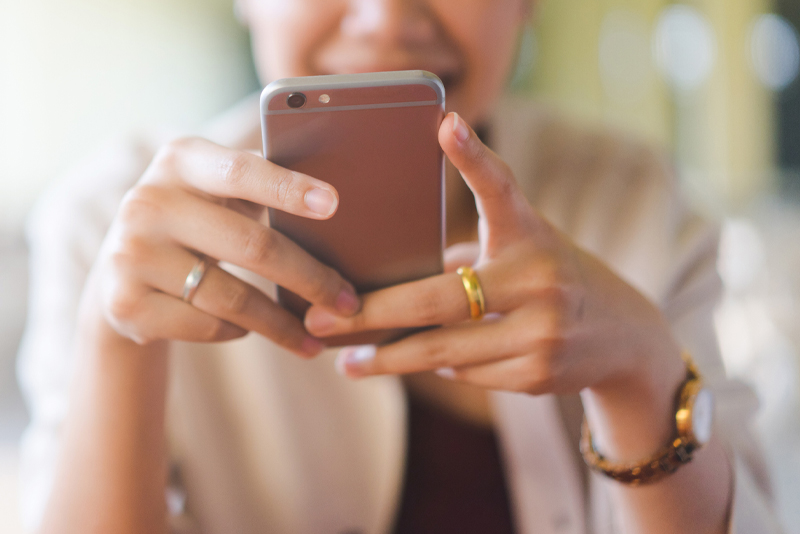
(461, 254)
(522, 374)
(154, 316)
(229, 236)
(436, 300)
(450, 346)
(227, 173)
(225, 296)
(499, 199)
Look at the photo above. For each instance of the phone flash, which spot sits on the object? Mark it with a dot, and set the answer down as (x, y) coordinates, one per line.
(324, 99)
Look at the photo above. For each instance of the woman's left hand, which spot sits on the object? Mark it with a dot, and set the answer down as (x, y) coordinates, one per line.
(558, 320)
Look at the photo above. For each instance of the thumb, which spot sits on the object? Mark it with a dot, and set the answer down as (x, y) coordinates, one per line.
(501, 204)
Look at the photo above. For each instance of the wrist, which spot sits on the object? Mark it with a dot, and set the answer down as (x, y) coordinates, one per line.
(633, 415)
(112, 464)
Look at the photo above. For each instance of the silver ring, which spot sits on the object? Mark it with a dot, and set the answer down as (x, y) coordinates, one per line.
(193, 280)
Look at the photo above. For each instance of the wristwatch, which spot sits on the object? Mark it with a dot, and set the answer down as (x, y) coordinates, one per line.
(694, 419)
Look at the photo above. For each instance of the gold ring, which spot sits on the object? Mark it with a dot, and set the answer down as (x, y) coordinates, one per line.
(472, 285)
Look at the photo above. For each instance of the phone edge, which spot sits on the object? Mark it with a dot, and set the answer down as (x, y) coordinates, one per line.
(346, 81)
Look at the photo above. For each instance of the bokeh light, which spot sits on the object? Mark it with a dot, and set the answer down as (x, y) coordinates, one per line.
(774, 51)
(625, 64)
(684, 46)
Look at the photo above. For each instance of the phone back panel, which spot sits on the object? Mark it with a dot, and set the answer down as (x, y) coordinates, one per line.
(376, 142)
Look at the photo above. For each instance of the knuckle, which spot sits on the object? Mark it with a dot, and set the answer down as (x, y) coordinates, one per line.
(259, 246)
(235, 299)
(544, 279)
(121, 261)
(140, 338)
(558, 298)
(168, 156)
(129, 254)
(281, 188)
(434, 354)
(141, 205)
(427, 308)
(134, 244)
(237, 170)
(550, 335)
(545, 343)
(551, 346)
(123, 305)
(551, 327)
(214, 331)
(535, 378)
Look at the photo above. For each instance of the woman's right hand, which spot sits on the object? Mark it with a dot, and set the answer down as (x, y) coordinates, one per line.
(198, 199)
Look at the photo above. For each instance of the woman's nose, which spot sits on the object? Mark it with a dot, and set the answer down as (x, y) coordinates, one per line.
(393, 21)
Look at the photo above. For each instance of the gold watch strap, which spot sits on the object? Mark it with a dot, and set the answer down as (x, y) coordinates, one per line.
(664, 462)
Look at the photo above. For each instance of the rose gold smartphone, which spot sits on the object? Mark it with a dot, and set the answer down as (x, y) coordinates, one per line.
(374, 137)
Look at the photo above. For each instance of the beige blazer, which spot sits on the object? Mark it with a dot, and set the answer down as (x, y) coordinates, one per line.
(263, 442)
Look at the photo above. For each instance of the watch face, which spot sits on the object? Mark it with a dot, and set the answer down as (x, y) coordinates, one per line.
(703, 416)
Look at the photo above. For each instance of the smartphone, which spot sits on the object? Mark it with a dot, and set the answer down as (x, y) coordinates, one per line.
(374, 137)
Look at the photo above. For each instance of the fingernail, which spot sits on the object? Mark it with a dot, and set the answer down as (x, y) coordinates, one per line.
(352, 361)
(446, 372)
(460, 129)
(320, 201)
(319, 321)
(347, 301)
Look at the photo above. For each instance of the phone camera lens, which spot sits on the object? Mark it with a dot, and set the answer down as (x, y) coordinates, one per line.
(296, 100)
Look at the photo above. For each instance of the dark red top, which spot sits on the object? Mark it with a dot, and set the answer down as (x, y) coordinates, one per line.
(454, 481)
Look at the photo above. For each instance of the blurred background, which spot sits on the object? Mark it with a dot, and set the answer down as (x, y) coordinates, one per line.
(714, 82)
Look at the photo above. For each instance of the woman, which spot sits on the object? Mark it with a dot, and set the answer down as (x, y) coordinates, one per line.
(596, 280)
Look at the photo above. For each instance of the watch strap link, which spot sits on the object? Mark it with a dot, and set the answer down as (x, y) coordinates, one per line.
(663, 463)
